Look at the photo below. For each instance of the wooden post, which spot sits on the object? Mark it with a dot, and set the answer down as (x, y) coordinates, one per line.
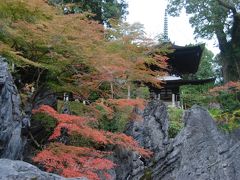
(13, 67)
(173, 100)
(129, 91)
(111, 84)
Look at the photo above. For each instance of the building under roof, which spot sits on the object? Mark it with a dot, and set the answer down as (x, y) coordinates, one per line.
(182, 61)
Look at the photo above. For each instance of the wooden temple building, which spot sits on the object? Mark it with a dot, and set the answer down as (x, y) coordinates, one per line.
(182, 61)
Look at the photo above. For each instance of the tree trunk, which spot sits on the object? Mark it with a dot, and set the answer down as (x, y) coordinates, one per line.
(231, 67)
(230, 56)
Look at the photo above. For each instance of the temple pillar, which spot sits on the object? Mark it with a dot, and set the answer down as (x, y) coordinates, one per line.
(173, 100)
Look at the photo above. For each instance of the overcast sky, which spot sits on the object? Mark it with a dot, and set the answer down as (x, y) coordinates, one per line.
(150, 13)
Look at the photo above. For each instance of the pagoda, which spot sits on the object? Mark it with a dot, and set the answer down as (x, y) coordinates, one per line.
(182, 61)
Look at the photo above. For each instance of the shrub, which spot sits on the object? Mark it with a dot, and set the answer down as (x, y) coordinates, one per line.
(142, 92)
(225, 120)
(196, 94)
(229, 102)
(115, 113)
(175, 121)
(121, 118)
(76, 108)
(147, 175)
(75, 161)
(228, 96)
(44, 125)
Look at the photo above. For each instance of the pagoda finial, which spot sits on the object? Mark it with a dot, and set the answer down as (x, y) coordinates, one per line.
(165, 27)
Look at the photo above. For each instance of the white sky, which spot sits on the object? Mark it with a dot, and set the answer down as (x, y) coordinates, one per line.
(150, 13)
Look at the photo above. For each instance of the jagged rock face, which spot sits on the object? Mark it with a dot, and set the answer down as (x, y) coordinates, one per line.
(200, 151)
(19, 170)
(150, 133)
(11, 142)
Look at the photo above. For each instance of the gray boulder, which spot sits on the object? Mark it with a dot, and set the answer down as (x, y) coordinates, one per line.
(19, 170)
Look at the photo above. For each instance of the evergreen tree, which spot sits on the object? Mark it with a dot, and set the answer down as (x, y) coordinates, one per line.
(103, 10)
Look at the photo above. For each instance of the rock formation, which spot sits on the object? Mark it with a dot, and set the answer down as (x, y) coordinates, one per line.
(19, 170)
(200, 151)
(151, 133)
(11, 141)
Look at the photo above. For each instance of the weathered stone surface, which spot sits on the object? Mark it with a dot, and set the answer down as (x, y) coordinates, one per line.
(129, 164)
(150, 133)
(44, 96)
(200, 151)
(11, 141)
(19, 170)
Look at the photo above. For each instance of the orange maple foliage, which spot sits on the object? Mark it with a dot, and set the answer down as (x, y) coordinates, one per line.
(229, 87)
(71, 161)
(107, 109)
(78, 125)
(139, 103)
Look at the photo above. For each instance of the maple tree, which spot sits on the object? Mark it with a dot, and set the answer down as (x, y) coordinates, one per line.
(49, 48)
(230, 87)
(130, 43)
(76, 124)
(70, 53)
(74, 161)
(139, 103)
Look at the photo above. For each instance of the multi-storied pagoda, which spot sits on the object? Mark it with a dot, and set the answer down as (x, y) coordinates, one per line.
(182, 61)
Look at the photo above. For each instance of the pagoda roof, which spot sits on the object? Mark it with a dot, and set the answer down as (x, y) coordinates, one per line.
(185, 60)
(180, 82)
(176, 83)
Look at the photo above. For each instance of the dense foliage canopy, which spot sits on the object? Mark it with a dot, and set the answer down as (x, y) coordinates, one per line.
(70, 52)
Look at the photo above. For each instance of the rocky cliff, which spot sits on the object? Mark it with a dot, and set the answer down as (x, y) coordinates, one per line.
(11, 140)
(200, 151)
